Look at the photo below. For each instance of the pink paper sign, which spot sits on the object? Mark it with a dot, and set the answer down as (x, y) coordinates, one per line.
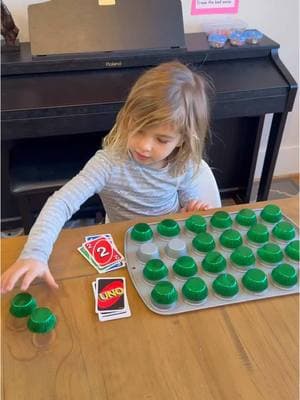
(214, 7)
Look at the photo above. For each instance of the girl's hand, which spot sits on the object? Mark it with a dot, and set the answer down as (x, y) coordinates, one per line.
(29, 269)
(195, 205)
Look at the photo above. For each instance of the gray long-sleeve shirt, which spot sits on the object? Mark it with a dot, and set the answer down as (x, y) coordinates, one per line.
(127, 190)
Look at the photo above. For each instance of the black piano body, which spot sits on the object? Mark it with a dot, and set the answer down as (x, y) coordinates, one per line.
(56, 110)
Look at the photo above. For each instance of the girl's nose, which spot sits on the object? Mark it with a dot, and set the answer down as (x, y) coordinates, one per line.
(145, 144)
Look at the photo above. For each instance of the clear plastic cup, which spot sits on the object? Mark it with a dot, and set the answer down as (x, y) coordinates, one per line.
(42, 324)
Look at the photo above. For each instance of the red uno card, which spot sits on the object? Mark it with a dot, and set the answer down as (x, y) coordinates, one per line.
(103, 251)
(110, 294)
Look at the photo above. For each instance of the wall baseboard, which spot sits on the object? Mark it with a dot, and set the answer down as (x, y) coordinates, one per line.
(287, 162)
(293, 177)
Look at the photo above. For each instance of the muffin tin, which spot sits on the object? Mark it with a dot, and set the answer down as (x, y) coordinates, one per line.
(209, 261)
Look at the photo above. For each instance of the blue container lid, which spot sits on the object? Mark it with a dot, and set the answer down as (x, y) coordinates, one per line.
(253, 34)
(237, 35)
(216, 37)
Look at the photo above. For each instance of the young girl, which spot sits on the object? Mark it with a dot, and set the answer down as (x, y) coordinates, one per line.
(151, 164)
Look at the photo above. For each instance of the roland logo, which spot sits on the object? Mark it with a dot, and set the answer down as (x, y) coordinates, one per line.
(113, 63)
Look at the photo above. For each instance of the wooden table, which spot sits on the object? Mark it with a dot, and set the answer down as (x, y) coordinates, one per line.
(243, 351)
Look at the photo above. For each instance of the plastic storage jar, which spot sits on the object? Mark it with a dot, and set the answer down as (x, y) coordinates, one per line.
(42, 323)
(216, 40)
(21, 306)
(253, 36)
(237, 38)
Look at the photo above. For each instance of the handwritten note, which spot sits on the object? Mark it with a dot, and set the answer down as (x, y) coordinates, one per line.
(214, 7)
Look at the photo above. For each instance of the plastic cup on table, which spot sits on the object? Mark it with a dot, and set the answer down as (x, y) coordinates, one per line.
(21, 306)
(41, 323)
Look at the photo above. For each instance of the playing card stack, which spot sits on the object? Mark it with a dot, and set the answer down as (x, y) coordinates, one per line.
(110, 298)
(101, 252)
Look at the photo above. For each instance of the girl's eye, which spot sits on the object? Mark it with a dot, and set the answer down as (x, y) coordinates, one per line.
(163, 141)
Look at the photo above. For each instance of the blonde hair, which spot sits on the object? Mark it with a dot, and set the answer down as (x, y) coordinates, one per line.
(169, 93)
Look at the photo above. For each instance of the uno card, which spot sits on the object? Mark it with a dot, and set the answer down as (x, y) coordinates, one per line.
(91, 237)
(108, 317)
(110, 294)
(103, 252)
(87, 256)
(110, 290)
(106, 313)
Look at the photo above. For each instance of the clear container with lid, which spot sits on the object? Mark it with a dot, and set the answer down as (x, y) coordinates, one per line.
(253, 36)
(237, 38)
(216, 40)
(42, 324)
(224, 26)
(21, 306)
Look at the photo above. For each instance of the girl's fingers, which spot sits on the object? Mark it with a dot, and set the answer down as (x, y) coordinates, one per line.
(204, 206)
(50, 280)
(191, 205)
(194, 205)
(28, 278)
(12, 277)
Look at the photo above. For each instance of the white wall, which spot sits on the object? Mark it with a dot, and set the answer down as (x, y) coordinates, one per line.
(278, 19)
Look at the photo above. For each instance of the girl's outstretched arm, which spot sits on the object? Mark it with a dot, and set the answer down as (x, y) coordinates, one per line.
(33, 261)
(27, 270)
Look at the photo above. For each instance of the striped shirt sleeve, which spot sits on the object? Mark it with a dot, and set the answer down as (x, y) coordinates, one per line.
(63, 204)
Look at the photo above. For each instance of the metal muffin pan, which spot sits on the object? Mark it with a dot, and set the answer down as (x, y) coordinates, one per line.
(136, 259)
